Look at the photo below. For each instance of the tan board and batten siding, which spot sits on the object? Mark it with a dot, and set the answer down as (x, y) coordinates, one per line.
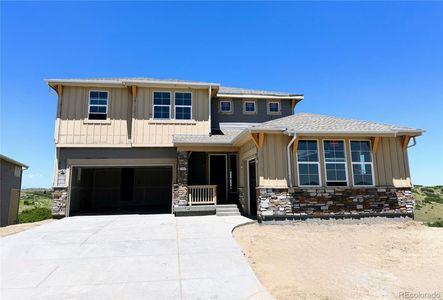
(73, 126)
(390, 162)
(73, 129)
(149, 132)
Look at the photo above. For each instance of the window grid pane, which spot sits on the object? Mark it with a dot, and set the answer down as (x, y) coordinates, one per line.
(308, 163)
(361, 159)
(225, 106)
(250, 106)
(98, 105)
(183, 106)
(334, 151)
(273, 107)
(335, 163)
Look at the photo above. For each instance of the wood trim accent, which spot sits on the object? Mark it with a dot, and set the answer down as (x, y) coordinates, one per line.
(405, 141)
(255, 138)
(293, 103)
(133, 90)
(261, 139)
(375, 141)
(59, 90)
(295, 145)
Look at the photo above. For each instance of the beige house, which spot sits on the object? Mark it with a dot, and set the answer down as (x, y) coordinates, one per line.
(146, 145)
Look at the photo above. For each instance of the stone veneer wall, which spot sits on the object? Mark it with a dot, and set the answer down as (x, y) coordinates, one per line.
(294, 203)
(180, 188)
(59, 199)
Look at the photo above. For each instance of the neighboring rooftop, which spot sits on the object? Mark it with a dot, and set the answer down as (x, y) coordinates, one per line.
(12, 161)
(306, 123)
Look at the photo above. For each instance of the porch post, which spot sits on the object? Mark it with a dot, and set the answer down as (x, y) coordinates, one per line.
(180, 195)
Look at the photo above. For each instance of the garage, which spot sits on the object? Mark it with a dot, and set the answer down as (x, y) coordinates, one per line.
(120, 190)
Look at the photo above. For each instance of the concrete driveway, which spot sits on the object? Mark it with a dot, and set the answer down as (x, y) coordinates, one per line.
(128, 257)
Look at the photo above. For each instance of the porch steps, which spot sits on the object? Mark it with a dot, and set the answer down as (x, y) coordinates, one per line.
(228, 210)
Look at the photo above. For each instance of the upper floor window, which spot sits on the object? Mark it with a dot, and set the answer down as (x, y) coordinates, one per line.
(183, 106)
(249, 107)
(162, 105)
(225, 106)
(308, 163)
(273, 107)
(362, 166)
(98, 105)
(335, 163)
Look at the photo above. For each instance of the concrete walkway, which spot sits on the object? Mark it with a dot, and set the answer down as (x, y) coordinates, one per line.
(128, 257)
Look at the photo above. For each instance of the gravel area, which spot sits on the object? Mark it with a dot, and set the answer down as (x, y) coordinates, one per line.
(345, 259)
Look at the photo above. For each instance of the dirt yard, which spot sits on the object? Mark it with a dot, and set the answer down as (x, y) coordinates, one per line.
(345, 259)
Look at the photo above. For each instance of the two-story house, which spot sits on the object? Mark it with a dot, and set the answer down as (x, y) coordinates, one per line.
(148, 146)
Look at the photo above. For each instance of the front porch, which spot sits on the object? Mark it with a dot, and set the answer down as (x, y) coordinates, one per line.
(207, 183)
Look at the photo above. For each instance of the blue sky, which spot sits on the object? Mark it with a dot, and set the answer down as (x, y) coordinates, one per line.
(377, 61)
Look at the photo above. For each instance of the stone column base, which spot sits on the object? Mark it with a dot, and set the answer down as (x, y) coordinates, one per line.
(59, 199)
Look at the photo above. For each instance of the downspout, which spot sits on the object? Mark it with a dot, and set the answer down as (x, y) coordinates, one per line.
(414, 142)
(289, 159)
(209, 116)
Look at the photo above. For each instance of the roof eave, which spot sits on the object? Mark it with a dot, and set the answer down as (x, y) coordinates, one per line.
(124, 83)
(13, 161)
(255, 96)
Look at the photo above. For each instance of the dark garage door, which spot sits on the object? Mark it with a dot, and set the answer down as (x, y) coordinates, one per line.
(111, 190)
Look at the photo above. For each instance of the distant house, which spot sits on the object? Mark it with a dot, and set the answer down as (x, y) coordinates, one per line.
(151, 145)
(10, 183)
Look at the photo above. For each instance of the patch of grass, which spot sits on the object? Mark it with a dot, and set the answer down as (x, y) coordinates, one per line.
(429, 206)
(32, 198)
(35, 215)
(35, 205)
(435, 224)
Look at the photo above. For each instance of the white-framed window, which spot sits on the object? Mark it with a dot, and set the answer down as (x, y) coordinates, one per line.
(273, 107)
(225, 106)
(335, 163)
(98, 105)
(249, 107)
(308, 163)
(362, 163)
(161, 105)
(183, 105)
(17, 171)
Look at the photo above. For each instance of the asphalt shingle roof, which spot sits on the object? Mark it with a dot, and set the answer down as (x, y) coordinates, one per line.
(239, 91)
(140, 80)
(227, 138)
(313, 123)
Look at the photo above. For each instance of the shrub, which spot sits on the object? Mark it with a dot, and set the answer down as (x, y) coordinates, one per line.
(435, 224)
(433, 198)
(428, 189)
(34, 215)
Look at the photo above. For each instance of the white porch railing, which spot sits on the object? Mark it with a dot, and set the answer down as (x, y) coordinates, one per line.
(202, 194)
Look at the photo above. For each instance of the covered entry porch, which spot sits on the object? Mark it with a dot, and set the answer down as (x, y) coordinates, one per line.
(207, 182)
